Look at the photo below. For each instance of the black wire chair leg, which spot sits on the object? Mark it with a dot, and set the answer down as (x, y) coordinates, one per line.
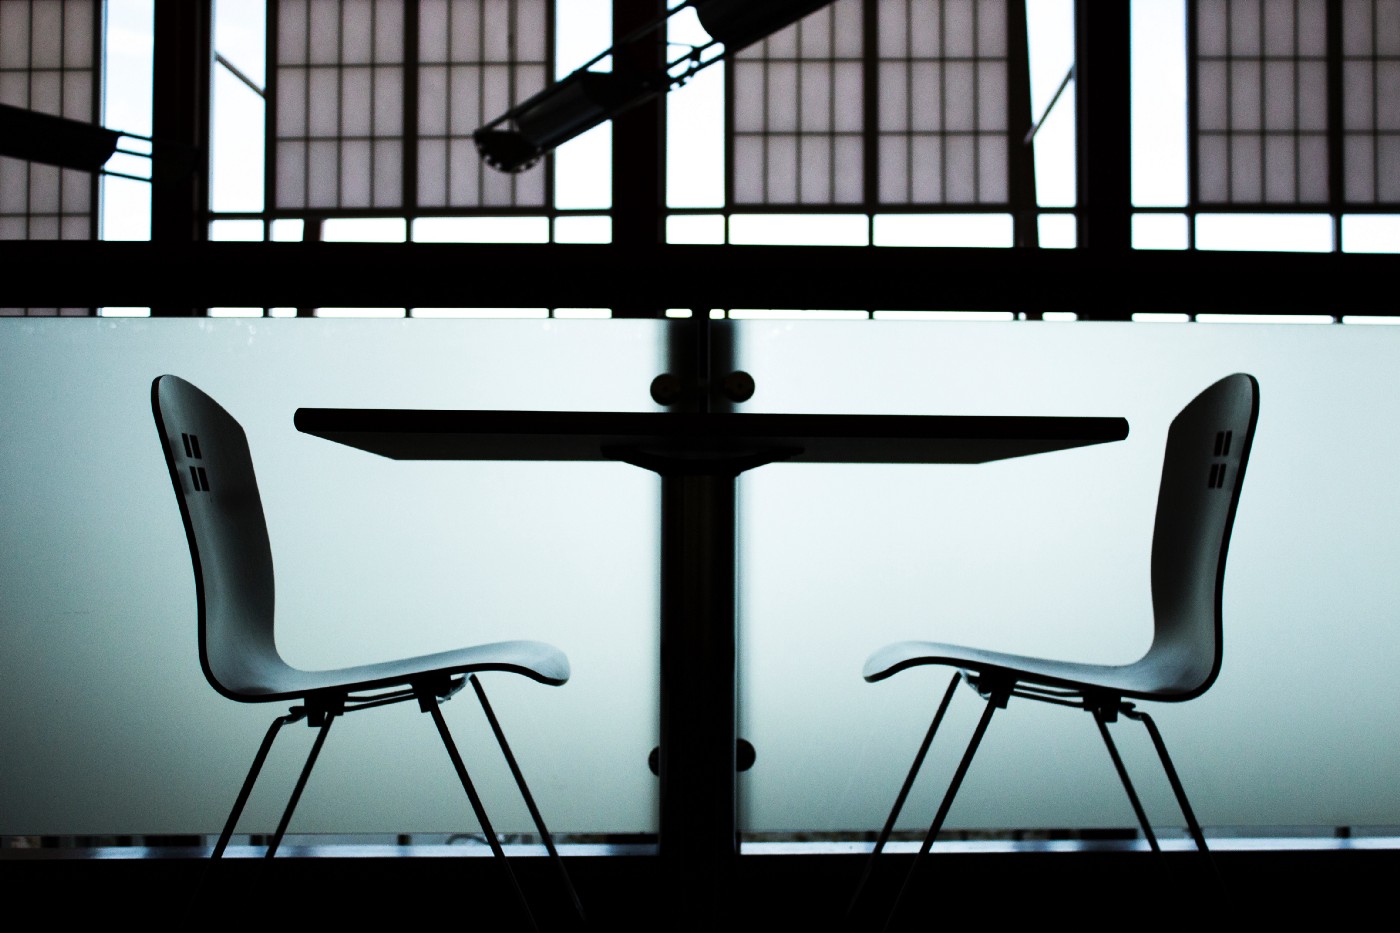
(467, 785)
(1192, 825)
(1100, 717)
(903, 794)
(250, 780)
(996, 699)
(301, 785)
(528, 797)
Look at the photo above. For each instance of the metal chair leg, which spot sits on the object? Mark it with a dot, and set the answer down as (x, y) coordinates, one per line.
(1192, 825)
(903, 794)
(251, 779)
(528, 797)
(1101, 718)
(997, 698)
(431, 704)
(301, 785)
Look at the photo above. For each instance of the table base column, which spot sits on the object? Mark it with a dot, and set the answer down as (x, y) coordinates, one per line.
(698, 839)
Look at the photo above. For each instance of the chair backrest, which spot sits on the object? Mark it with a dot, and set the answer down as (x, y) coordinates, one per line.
(1207, 450)
(212, 471)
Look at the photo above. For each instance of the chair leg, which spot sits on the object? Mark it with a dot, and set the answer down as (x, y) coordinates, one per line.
(1101, 718)
(250, 780)
(1191, 824)
(432, 707)
(997, 698)
(301, 785)
(903, 794)
(528, 797)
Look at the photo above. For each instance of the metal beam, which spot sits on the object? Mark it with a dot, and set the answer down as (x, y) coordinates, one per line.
(453, 275)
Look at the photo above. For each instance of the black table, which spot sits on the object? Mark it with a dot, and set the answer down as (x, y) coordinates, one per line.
(699, 456)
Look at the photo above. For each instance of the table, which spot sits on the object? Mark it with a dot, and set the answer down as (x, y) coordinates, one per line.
(699, 456)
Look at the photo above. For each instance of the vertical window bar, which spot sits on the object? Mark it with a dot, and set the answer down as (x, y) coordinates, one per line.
(943, 97)
(870, 103)
(1297, 106)
(409, 181)
(340, 106)
(549, 65)
(270, 106)
(374, 97)
(977, 101)
(1193, 116)
(306, 106)
(1260, 67)
(95, 114)
(62, 102)
(765, 128)
(29, 205)
(481, 69)
(1375, 64)
(730, 135)
(1336, 127)
(830, 102)
(1229, 101)
(909, 98)
(513, 51)
(1020, 155)
(798, 148)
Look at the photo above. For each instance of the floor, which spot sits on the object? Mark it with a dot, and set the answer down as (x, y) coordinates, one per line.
(780, 888)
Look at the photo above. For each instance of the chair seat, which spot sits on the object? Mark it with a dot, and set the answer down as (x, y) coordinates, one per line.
(1148, 678)
(537, 660)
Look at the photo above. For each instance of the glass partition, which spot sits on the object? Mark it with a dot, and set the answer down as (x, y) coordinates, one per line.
(377, 558)
(110, 727)
(1049, 555)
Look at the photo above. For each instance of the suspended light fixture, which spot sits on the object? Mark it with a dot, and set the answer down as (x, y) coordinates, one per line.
(517, 139)
(741, 23)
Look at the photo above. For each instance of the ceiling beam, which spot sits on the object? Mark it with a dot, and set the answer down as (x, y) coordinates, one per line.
(73, 274)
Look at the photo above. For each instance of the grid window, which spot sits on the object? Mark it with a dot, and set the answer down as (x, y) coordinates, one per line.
(339, 115)
(1371, 95)
(1297, 103)
(478, 58)
(876, 103)
(1261, 102)
(376, 101)
(943, 102)
(48, 63)
(797, 112)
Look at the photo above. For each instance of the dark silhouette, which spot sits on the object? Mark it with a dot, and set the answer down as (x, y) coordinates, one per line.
(212, 471)
(1207, 449)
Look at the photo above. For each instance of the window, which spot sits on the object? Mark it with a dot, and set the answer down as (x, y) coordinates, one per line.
(879, 105)
(49, 62)
(1296, 105)
(375, 102)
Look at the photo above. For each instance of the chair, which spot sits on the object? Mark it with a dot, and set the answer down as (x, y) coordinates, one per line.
(1207, 448)
(212, 471)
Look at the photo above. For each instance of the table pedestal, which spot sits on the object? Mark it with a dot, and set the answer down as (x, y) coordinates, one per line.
(699, 842)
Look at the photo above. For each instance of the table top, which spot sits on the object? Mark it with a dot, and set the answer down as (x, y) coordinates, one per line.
(639, 437)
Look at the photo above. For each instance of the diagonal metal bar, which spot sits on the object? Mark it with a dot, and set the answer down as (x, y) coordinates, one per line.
(903, 793)
(301, 785)
(250, 780)
(1100, 717)
(432, 707)
(997, 698)
(1191, 823)
(525, 793)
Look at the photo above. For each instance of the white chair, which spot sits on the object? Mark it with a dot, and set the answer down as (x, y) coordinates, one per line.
(1206, 452)
(212, 472)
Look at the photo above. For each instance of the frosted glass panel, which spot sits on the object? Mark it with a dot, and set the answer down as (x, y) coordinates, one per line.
(99, 673)
(1050, 555)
